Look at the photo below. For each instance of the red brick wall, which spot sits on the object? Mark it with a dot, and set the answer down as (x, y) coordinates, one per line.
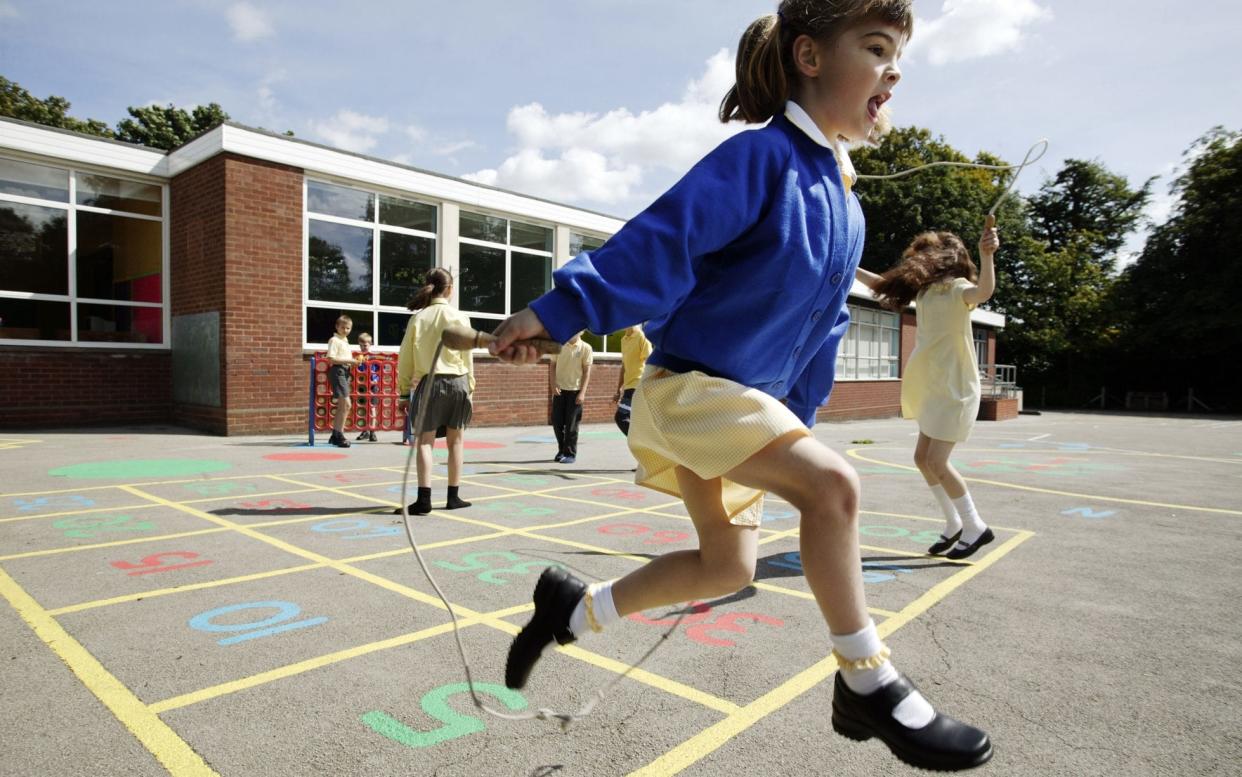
(998, 410)
(60, 387)
(862, 399)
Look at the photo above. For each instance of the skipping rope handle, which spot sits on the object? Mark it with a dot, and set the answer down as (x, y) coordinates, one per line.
(463, 338)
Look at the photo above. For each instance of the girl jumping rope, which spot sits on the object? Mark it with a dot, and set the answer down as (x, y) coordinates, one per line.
(450, 392)
(940, 387)
(722, 412)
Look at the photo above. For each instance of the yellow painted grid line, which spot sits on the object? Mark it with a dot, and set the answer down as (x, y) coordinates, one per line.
(1036, 489)
(713, 737)
(156, 736)
(665, 684)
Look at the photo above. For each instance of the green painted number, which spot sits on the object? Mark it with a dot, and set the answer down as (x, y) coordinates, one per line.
(435, 704)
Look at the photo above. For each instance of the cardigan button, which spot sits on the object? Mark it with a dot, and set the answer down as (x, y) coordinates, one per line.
(817, 315)
(836, 279)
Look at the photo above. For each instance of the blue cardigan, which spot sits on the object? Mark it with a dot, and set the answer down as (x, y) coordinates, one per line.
(741, 270)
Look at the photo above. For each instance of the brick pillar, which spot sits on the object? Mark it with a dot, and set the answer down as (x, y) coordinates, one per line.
(237, 297)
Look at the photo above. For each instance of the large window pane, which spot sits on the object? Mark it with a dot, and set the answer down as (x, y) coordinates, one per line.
(481, 286)
(30, 180)
(532, 276)
(32, 319)
(34, 249)
(404, 262)
(103, 191)
(340, 263)
(481, 227)
(397, 212)
(119, 258)
(530, 236)
(391, 328)
(321, 325)
(579, 243)
(120, 324)
(340, 201)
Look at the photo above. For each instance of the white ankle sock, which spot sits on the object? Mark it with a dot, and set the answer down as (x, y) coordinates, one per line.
(972, 524)
(602, 607)
(914, 711)
(952, 523)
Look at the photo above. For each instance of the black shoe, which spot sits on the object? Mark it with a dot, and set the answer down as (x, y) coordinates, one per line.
(338, 440)
(456, 503)
(969, 550)
(362, 437)
(943, 544)
(942, 745)
(371, 437)
(558, 458)
(556, 595)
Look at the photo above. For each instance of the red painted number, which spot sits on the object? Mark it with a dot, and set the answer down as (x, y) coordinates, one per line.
(151, 564)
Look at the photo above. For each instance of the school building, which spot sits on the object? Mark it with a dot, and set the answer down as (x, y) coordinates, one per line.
(192, 287)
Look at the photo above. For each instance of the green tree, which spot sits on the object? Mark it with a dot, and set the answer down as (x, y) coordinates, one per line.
(168, 127)
(1178, 303)
(18, 103)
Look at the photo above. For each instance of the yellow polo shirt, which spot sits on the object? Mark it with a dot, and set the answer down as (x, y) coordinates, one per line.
(635, 348)
(571, 364)
(422, 335)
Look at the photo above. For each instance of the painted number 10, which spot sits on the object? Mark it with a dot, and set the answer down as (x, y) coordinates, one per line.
(275, 624)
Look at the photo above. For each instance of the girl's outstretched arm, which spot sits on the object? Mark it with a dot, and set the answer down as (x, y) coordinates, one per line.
(989, 243)
(867, 278)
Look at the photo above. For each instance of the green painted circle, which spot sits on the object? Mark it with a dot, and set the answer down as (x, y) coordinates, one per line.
(140, 468)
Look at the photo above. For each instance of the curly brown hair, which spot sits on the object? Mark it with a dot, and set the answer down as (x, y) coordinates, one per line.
(932, 257)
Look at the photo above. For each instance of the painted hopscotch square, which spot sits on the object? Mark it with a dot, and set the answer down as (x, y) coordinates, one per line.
(19, 507)
(87, 575)
(406, 711)
(362, 534)
(176, 644)
(230, 488)
(61, 534)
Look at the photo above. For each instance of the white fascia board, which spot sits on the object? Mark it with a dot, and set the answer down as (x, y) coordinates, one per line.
(74, 147)
(859, 290)
(329, 162)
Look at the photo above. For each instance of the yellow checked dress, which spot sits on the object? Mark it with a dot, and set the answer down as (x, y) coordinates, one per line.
(707, 425)
(940, 387)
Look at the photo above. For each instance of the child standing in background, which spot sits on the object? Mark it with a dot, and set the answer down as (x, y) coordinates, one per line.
(569, 377)
(372, 386)
(635, 348)
(742, 271)
(940, 387)
(342, 361)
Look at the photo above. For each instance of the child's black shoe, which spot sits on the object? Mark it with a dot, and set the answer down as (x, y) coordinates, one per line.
(556, 595)
(942, 745)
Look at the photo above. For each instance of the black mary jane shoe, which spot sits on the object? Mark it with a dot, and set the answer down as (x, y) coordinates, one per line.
(943, 544)
(959, 551)
(944, 745)
(556, 595)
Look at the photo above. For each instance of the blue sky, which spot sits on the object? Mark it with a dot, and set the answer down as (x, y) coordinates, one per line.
(604, 103)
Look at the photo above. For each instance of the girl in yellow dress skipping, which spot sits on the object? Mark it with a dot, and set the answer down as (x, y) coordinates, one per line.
(940, 387)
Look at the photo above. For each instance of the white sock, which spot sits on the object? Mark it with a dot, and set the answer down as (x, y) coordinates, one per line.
(914, 711)
(952, 523)
(972, 524)
(603, 608)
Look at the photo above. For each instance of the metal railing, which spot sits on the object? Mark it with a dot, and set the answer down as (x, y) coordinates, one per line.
(999, 381)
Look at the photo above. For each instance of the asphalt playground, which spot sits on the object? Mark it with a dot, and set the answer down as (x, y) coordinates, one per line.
(176, 603)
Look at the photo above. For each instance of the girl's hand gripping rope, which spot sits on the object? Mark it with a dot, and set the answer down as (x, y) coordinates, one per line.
(517, 339)
(989, 241)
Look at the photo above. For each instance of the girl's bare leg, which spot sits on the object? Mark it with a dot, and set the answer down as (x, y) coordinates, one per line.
(723, 563)
(456, 455)
(426, 441)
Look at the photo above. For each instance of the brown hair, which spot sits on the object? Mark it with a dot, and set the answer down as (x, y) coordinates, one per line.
(436, 282)
(932, 257)
(342, 318)
(765, 69)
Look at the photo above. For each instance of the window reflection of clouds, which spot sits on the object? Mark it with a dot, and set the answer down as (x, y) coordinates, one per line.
(338, 201)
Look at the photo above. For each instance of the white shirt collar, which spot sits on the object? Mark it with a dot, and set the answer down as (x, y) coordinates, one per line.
(803, 121)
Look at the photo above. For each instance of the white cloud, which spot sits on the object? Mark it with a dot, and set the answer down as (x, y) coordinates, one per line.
(8, 11)
(972, 29)
(603, 158)
(248, 22)
(350, 131)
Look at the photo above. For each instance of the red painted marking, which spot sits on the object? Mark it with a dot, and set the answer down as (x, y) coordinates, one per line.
(305, 456)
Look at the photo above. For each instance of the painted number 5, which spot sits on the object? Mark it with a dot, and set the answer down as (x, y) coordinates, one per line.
(435, 704)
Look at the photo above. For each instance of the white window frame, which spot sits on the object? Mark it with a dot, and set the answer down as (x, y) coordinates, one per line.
(71, 208)
(509, 250)
(847, 364)
(374, 309)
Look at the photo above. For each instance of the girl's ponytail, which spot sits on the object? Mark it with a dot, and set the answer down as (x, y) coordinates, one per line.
(762, 82)
(438, 281)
